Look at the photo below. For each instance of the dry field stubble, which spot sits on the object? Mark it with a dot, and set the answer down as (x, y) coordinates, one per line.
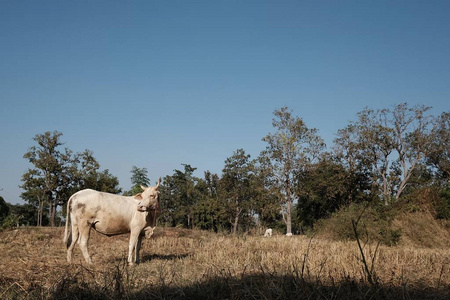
(193, 264)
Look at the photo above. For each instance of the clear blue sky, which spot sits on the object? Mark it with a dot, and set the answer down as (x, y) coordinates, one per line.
(160, 83)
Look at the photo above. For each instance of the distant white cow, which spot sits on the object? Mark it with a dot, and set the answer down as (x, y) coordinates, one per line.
(268, 232)
(289, 234)
(111, 214)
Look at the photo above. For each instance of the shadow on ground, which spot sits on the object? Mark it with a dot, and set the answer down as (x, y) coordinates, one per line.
(224, 287)
(147, 258)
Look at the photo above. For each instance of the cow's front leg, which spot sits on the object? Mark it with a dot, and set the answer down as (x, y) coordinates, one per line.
(134, 238)
(138, 248)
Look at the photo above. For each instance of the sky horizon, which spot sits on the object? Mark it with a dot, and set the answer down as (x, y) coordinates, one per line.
(158, 84)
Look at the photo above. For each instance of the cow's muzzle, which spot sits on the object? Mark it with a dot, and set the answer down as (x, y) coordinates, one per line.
(142, 208)
(145, 208)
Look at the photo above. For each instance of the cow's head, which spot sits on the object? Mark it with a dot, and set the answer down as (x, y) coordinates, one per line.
(149, 198)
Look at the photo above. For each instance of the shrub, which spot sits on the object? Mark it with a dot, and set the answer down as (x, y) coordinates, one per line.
(4, 210)
(374, 224)
(444, 208)
(427, 200)
(10, 221)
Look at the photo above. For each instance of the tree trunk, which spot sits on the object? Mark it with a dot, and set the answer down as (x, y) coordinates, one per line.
(236, 220)
(52, 214)
(188, 220)
(407, 174)
(288, 220)
(288, 217)
(383, 172)
(235, 224)
(40, 212)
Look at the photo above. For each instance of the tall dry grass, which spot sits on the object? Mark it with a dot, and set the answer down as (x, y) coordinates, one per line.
(179, 264)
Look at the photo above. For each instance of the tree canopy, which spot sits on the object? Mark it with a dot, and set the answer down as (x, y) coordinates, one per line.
(58, 173)
(139, 177)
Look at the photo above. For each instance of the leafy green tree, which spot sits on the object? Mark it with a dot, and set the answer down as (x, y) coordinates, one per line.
(179, 197)
(85, 174)
(106, 182)
(292, 148)
(265, 203)
(209, 213)
(323, 190)
(236, 186)
(46, 183)
(166, 202)
(57, 174)
(35, 193)
(192, 202)
(139, 176)
(211, 184)
(358, 177)
(84, 170)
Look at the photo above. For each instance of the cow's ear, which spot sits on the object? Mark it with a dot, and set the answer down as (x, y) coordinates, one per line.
(138, 196)
(159, 182)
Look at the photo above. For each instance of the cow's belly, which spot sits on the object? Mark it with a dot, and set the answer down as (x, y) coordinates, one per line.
(111, 226)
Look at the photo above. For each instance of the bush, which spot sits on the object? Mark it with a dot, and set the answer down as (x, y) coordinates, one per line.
(431, 200)
(420, 218)
(4, 210)
(374, 224)
(10, 221)
(444, 208)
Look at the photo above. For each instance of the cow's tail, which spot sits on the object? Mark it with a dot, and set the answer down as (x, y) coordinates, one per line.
(66, 230)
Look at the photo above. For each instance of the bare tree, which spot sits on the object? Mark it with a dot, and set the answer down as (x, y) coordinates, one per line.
(391, 141)
(292, 148)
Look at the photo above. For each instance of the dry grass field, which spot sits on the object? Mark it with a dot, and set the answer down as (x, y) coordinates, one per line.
(179, 264)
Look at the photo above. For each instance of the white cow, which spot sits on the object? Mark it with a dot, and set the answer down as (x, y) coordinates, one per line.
(111, 214)
(268, 232)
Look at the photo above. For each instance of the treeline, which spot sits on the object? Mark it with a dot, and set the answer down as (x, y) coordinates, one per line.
(380, 159)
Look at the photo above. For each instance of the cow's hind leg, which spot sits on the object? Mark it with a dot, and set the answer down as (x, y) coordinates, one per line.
(73, 238)
(83, 242)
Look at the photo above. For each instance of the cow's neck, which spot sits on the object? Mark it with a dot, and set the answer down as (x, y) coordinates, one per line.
(150, 218)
